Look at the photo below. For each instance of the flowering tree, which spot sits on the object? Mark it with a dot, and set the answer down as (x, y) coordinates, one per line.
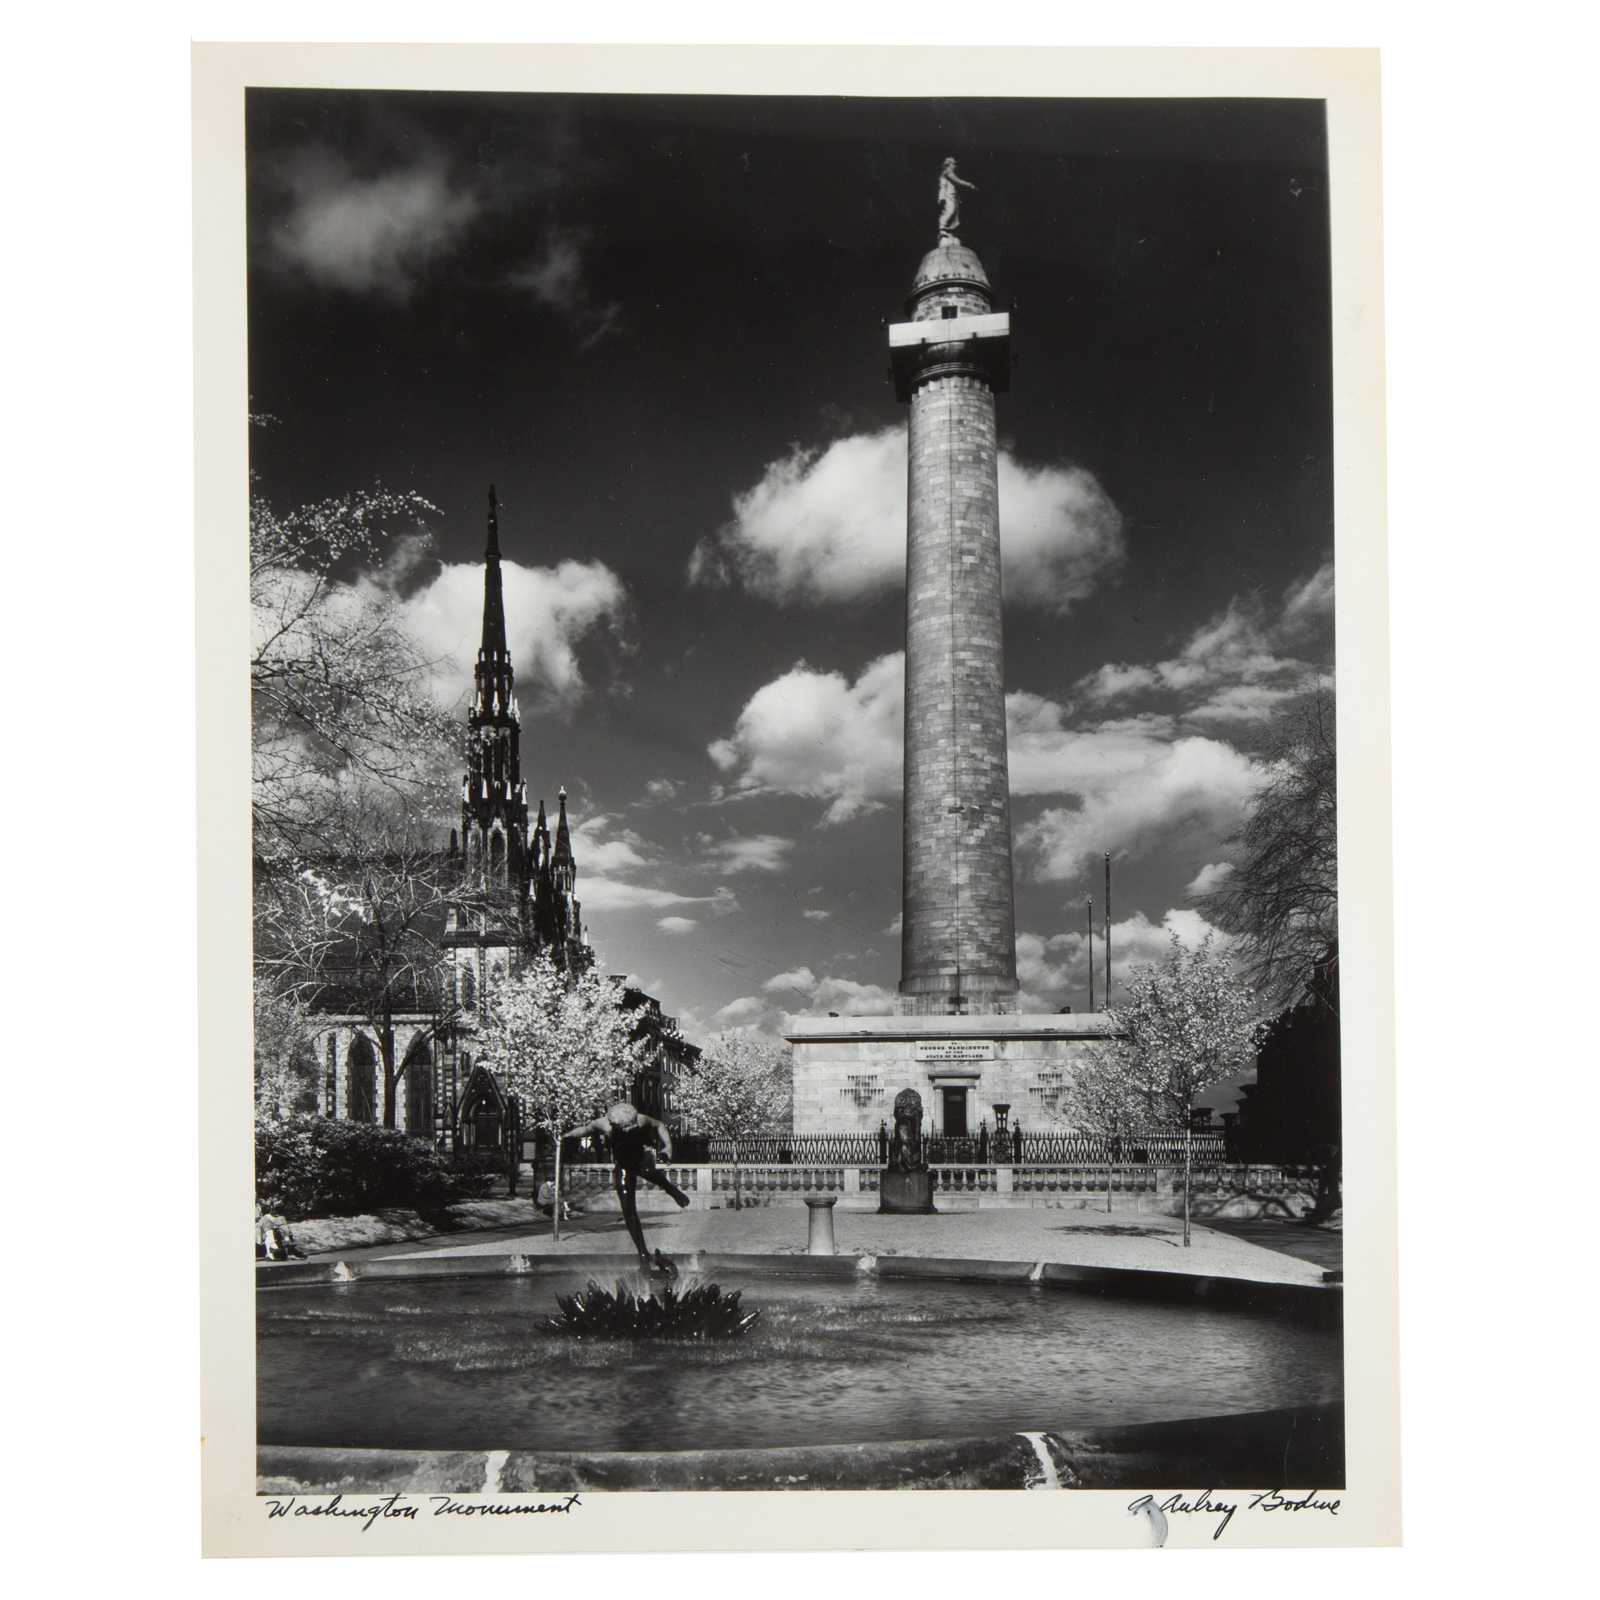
(339, 687)
(349, 754)
(355, 928)
(286, 1063)
(1188, 1024)
(740, 1086)
(564, 1044)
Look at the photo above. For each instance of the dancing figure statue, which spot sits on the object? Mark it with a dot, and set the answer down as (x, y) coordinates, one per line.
(631, 1138)
(950, 198)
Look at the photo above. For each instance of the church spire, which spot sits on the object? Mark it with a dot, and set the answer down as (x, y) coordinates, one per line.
(494, 606)
(561, 860)
(494, 809)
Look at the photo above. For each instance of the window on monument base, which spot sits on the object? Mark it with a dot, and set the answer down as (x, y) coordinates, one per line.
(955, 1113)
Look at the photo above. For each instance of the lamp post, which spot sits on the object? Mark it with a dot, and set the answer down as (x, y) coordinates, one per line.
(556, 1211)
(1188, 1169)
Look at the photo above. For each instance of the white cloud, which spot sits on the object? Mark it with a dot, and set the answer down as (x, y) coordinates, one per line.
(1310, 604)
(1211, 876)
(660, 789)
(818, 996)
(1059, 535)
(548, 611)
(1138, 942)
(1137, 787)
(598, 851)
(801, 978)
(897, 926)
(609, 857)
(1238, 668)
(1058, 967)
(557, 278)
(610, 894)
(741, 1013)
(830, 525)
(1054, 964)
(818, 735)
(369, 235)
(816, 916)
(761, 852)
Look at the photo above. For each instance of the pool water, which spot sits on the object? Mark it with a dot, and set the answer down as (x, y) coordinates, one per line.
(460, 1363)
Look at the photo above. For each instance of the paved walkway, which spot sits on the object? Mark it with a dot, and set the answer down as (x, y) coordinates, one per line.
(1325, 1246)
(1080, 1238)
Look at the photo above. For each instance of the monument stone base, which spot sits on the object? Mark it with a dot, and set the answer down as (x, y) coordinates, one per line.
(906, 1194)
(848, 1070)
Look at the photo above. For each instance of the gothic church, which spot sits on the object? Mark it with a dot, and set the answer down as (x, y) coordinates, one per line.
(516, 896)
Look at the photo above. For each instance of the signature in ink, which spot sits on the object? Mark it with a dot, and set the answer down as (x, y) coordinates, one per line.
(1207, 1503)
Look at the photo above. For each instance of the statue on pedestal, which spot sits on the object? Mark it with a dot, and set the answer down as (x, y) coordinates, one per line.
(905, 1149)
(906, 1186)
(950, 199)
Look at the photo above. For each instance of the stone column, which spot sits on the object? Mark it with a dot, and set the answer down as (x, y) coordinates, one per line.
(958, 942)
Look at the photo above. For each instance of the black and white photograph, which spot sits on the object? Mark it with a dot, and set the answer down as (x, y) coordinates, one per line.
(795, 660)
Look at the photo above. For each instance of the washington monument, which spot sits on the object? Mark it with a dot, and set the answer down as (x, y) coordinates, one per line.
(958, 940)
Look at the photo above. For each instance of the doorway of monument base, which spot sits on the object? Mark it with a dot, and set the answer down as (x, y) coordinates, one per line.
(954, 1121)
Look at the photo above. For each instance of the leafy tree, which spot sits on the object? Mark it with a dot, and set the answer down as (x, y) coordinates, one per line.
(1282, 900)
(1282, 896)
(1188, 1024)
(741, 1086)
(563, 1043)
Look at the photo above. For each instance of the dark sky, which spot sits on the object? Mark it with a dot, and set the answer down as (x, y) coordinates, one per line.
(625, 311)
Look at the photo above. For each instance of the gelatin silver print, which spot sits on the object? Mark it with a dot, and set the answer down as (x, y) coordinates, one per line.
(794, 800)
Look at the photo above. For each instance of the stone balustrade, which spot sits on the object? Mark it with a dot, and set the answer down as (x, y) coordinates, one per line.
(1238, 1190)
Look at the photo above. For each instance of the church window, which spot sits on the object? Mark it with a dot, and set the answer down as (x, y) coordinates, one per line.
(361, 1081)
(419, 1090)
(469, 988)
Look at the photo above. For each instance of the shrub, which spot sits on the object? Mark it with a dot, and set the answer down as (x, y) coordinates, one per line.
(309, 1166)
(481, 1163)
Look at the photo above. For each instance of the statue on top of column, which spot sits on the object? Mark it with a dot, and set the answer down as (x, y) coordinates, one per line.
(950, 198)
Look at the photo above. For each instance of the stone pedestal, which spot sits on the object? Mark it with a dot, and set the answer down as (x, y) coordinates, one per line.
(906, 1194)
(819, 1241)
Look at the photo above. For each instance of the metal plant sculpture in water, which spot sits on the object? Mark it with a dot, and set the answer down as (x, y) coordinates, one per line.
(703, 1312)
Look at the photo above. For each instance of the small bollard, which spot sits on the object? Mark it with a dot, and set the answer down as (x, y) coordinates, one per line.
(820, 1242)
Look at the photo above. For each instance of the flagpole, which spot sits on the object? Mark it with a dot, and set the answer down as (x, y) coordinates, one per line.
(1088, 907)
(1108, 928)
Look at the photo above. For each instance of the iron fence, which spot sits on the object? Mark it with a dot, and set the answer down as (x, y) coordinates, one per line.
(1008, 1147)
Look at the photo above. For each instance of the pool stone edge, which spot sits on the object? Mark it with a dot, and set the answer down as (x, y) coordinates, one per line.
(1294, 1447)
